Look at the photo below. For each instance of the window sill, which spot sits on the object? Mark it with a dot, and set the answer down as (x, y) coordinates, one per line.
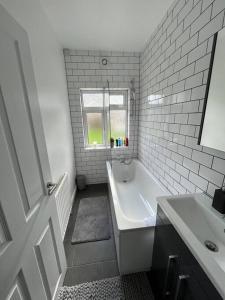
(95, 148)
(120, 147)
(105, 148)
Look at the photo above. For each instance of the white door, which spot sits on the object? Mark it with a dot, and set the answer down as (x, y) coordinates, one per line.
(32, 257)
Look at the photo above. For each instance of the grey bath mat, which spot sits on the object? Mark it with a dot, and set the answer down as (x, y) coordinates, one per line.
(92, 222)
(129, 287)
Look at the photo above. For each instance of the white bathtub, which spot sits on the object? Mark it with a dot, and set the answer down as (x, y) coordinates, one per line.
(132, 192)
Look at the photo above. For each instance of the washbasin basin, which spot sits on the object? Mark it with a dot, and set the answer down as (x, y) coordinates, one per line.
(202, 220)
(202, 228)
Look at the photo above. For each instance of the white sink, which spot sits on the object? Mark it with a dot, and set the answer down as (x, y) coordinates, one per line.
(196, 221)
(201, 220)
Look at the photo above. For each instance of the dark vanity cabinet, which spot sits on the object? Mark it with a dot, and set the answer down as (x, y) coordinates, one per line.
(176, 274)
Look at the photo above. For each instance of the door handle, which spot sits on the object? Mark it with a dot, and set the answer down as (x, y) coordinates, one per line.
(51, 187)
(171, 258)
(181, 278)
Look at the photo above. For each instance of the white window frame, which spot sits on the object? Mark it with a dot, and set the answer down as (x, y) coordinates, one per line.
(104, 111)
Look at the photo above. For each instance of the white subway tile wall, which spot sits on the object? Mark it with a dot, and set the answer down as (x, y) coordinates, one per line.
(173, 76)
(84, 70)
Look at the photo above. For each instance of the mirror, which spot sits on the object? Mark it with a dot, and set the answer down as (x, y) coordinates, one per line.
(212, 130)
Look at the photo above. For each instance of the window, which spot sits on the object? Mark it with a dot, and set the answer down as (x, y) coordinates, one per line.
(105, 115)
(95, 128)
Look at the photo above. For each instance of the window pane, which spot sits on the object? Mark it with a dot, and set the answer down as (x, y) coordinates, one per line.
(95, 128)
(93, 100)
(116, 99)
(118, 123)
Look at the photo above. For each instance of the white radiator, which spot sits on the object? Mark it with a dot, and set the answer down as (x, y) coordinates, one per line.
(63, 203)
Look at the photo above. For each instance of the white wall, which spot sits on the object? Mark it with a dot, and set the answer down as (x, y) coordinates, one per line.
(48, 62)
(174, 72)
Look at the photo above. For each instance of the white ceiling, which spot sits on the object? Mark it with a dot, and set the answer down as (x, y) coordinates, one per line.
(120, 25)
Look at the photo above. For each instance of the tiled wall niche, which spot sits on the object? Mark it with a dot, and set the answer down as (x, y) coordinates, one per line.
(175, 65)
(84, 70)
